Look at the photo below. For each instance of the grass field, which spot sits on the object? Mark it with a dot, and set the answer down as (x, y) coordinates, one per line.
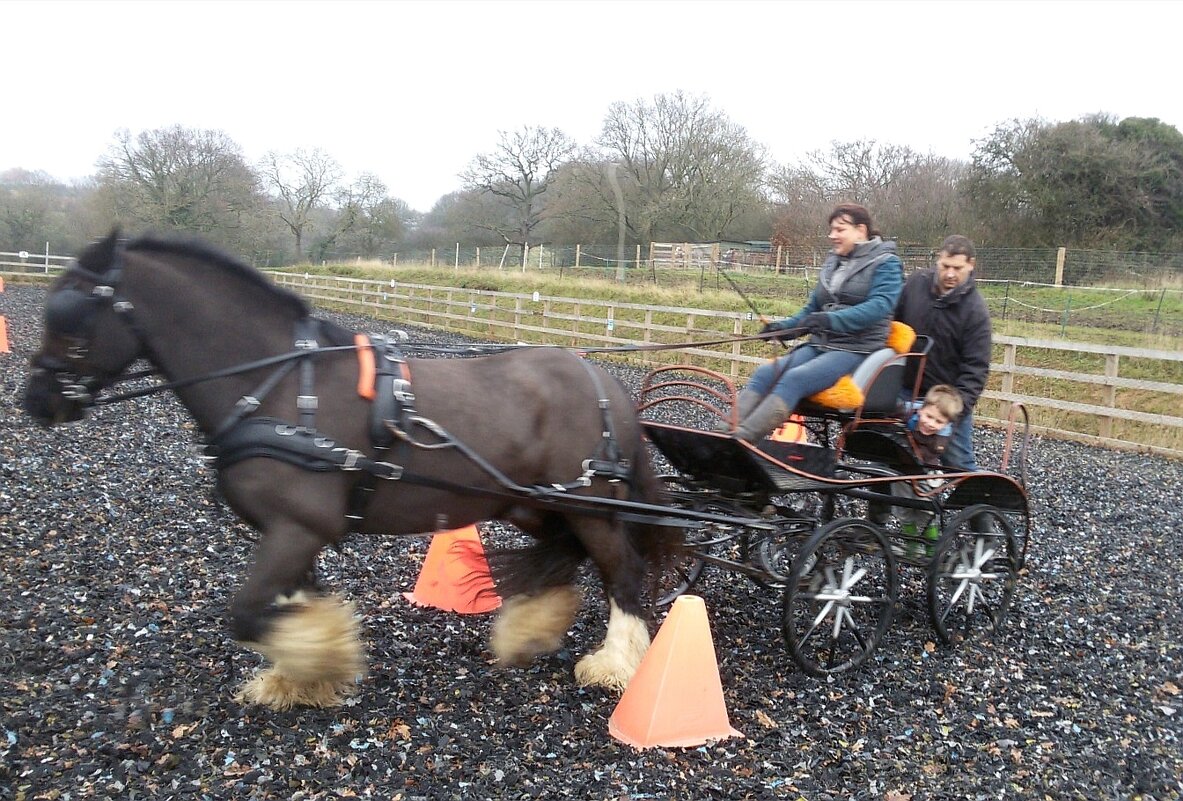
(1135, 318)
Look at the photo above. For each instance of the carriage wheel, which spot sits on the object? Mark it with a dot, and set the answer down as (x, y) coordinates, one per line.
(775, 554)
(840, 598)
(973, 572)
(682, 572)
(677, 577)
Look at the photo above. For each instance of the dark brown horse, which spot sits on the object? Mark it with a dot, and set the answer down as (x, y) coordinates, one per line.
(526, 436)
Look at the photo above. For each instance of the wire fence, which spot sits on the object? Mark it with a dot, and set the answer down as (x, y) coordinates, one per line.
(1056, 266)
(1052, 290)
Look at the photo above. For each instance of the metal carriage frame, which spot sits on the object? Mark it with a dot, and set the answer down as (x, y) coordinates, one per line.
(824, 536)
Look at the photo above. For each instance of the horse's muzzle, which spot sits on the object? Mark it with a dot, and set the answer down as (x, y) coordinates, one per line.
(46, 402)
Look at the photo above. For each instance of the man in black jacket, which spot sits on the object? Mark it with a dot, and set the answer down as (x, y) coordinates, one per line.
(944, 304)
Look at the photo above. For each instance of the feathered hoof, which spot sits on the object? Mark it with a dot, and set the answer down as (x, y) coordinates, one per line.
(617, 660)
(316, 655)
(604, 669)
(531, 625)
(272, 689)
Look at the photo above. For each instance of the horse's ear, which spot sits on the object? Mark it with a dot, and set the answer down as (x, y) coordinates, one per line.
(99, 256)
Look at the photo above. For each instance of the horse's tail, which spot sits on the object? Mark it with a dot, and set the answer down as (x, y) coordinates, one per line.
(554, 559)
(659, 545)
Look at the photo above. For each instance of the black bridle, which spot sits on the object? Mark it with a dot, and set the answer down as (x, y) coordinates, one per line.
(72, 314)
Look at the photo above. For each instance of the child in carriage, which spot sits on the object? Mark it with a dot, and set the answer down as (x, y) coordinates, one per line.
(929, 423)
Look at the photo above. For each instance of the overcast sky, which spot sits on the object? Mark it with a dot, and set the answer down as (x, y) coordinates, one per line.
(412, 91)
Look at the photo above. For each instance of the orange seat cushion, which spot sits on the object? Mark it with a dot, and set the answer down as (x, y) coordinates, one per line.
(901, 337)
(844, 394)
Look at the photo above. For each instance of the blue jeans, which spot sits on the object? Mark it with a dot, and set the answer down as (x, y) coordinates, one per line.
(959, 451)
(809, 370)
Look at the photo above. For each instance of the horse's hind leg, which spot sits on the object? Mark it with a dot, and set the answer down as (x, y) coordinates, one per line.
(311, 640)
(537, 584)
(622, 569)
(530, 625)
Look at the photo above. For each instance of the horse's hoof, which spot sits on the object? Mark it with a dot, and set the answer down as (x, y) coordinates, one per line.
(597, 670)
(273, 690)
(531, 625)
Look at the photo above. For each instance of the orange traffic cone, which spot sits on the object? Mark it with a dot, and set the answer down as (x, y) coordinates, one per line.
(455, 576)
(4, 335)
(675, 699)
(793, 430)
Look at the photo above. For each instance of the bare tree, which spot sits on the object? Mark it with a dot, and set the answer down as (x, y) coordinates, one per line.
(368, 218)
(181, 178)
(518, 173)
(303, 180)
(686, 170)
(913, 197)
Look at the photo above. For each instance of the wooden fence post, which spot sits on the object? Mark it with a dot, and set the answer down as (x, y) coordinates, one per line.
(1061, 254)
(1111, 368)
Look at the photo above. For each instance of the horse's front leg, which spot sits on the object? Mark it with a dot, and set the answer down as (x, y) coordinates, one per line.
(622, 569)
(310, 639)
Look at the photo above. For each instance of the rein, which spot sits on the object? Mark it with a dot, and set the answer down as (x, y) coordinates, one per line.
(223, 373)
(473, 350)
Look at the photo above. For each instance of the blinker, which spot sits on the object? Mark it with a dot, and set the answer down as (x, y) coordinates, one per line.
(70, 312)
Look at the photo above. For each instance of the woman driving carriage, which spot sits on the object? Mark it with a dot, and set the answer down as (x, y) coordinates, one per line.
(848, 316)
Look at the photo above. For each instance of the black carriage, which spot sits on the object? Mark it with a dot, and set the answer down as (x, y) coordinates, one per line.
(319, 433)
(827, 538)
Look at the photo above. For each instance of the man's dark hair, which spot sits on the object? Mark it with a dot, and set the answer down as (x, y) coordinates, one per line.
(958, 245)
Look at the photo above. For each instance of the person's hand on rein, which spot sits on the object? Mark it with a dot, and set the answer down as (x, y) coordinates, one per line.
(781, 330)
(816, 322)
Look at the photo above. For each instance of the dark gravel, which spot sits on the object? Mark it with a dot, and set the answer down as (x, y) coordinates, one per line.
(116, 669)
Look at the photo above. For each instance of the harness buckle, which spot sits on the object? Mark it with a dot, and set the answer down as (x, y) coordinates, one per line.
(351, 458)
(306, 403)
(247, 403)
(284, 430)
(122, 306)
(103, 291)
(76, 392)
(402, 392)
(307, 344)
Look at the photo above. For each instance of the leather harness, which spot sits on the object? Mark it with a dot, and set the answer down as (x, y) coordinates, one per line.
(384, 379)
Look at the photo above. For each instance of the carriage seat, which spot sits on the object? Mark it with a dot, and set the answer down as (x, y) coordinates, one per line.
(875, 385)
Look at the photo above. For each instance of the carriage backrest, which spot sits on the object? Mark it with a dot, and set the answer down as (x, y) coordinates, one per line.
(881, 376)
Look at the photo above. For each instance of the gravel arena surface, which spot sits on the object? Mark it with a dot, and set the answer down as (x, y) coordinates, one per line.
(117, 670)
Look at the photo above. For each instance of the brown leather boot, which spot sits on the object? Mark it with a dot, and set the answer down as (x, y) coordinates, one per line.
(763, 420)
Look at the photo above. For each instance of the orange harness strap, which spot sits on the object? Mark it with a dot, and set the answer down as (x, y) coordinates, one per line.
(366, 370)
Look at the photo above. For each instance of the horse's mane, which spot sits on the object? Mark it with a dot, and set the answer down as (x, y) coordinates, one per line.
(196, 249)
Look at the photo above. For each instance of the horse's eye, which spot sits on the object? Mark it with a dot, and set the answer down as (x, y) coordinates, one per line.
(70, 312)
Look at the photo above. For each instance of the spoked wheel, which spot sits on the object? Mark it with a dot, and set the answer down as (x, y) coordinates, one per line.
(840, 598)
(678, 576)
(682, 571)
(972, 575)
(776, 553)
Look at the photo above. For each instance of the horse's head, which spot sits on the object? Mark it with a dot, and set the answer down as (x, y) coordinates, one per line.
(88, 340)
